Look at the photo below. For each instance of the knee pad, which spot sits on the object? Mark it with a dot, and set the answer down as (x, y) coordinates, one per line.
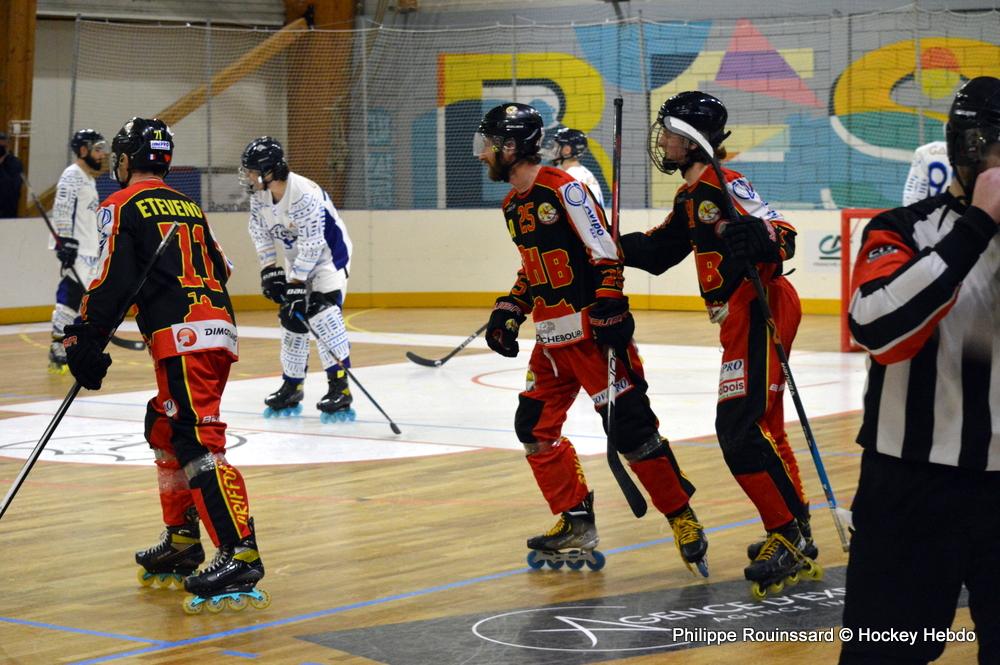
(744, 454)
(654, 446)
(206, 463)
(294, 354)
(529, 412)
(331, 333)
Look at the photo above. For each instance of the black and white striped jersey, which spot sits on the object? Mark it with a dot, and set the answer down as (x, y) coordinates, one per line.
(926, 306)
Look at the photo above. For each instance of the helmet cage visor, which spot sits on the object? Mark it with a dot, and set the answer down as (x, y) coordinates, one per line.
(657, 153)
(974, 143)
(482, 141)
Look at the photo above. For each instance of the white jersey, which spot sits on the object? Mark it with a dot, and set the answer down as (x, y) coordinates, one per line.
(312, 235)
(930, 172)
(74, 213)
(583, 174)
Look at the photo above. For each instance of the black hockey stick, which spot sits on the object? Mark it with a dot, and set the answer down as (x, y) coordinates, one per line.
(682, 128)
(393, 426)
(117, 341)
(632, 494)
(426, 362)
(75, 389)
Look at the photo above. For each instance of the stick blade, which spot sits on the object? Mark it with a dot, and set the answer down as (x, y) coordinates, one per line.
(395, 428)
(411, 356)
(131, 345)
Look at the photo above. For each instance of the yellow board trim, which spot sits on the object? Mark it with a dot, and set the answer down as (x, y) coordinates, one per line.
(418, 299)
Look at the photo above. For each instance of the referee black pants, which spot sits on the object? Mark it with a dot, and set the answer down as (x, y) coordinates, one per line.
(921, 532)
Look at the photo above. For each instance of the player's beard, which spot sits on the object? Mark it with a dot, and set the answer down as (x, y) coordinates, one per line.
(94, 164)
(498, 172)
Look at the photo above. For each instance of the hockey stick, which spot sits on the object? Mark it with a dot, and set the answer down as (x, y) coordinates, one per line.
(426, 362)
(117, 341)
(682, 128)
(632, 494)
(75, 389)
(393, 426)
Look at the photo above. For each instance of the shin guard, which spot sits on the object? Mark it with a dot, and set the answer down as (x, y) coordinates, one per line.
(221, 496)
(328, 324)
(559, 476)
(294, 354)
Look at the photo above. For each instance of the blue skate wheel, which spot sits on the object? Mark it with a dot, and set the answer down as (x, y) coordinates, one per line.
(350, 415)
(296, 410)
(555, 565)
(270, 413)
(324, 417)
(598, 561)
(534, 561)
(575, 565)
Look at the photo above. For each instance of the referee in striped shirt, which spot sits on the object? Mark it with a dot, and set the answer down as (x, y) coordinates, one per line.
(926, 306)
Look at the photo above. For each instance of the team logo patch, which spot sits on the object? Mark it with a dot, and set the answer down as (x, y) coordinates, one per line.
(170, 408)
(186, 337)
(159, 145)
(547, 213)
(574, 194)
(708, 212)
(510, 110)
(105, 217)
(879, 252)
(742, 188)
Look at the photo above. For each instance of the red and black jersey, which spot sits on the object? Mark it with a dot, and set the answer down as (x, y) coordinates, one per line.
(568, 255)
(183, 307)
(694, 225)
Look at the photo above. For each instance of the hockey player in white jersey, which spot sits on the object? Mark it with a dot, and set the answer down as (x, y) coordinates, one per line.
(570, 144)
(81, 241)
(930, 172)
(294, 212)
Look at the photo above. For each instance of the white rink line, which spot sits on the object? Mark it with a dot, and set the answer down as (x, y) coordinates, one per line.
(464, 405)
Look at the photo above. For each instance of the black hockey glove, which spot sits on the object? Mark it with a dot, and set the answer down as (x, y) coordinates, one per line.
(272, 283)
(751, 239)
(501, 331)
(85, 355)
(294, 303)
(66, 251)
(612, 322)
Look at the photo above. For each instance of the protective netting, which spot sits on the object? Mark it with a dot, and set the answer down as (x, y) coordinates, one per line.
(824, 112)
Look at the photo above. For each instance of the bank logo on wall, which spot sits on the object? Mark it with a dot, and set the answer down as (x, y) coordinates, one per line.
(822, 250)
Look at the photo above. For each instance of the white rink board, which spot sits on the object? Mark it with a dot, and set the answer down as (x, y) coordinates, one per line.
(466, 404)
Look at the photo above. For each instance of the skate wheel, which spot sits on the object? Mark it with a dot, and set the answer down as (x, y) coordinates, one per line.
(555, 565)
(793, 579)
(193, 605)
(757, 591)
(215, 605)
(813, 571)
(145, 579)
(260, 599)
(598, 561)
(575, 565)
(776, 587)
(58, 370)
(534, 561)
(702, 567)
(238, 603)
(350, 415)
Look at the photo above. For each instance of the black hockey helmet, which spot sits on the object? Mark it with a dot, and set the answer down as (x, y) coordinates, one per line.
(265, 156)
(574, 138)
(973, 125)
(511, 125)
(703, 111)
(149, 144)
(91, 138)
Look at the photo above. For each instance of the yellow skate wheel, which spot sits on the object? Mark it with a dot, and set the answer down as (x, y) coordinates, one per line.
(777, 587)
(190, 607)
(757, 591)
(145, 579)
(263, 602)
(239, 603)
(215, 605)
(793, 579)
(814, 571)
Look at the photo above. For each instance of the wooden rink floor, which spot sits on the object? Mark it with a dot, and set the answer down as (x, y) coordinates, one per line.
(396, 558)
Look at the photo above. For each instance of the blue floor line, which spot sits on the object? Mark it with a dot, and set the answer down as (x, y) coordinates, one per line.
(161, 646)
(81, 631)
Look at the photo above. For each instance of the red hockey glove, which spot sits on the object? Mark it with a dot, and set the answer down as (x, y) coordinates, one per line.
(501, 331)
